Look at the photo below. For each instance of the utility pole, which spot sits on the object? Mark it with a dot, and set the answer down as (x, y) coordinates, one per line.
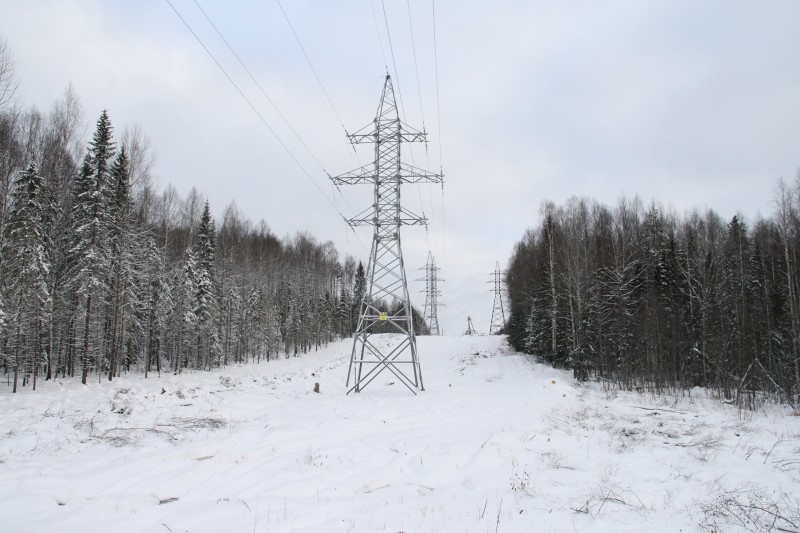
(498, 314)
(386, 301)
(432, 293)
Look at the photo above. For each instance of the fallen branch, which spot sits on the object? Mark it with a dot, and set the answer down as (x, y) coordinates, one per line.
(658, 409)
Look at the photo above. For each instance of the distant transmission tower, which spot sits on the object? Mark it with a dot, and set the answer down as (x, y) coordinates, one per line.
(498, 314)
(432, 293)
(386, 300)
(470, 327)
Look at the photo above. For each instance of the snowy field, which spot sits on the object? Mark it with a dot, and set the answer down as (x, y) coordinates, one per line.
(497, 443)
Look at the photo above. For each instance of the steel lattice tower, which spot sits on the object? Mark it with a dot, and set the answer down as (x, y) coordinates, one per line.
(432, 293)
(470, 327)
(498, 314)
(386, 276)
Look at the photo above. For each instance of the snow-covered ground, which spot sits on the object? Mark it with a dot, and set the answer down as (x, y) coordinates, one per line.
(496, 443)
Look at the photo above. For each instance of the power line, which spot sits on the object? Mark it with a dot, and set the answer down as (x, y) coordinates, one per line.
(438, 111)
(421, 111)
(253, 108)
(402, 106)
(378, 32)
(436, 68)
(416, 70)
(394, 64)
(319, 81)
(263, 91)
(327, 97)
(443, 249)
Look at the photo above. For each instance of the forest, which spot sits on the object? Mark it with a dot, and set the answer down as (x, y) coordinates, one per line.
(101, 273)
(643, 298)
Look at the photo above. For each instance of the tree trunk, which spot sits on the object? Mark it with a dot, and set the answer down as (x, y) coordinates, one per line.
(793, 310)
(553, 302)
(178, 349)
(36, 352)
(228, 333)
(17, 350)
(85, 373)
(122, 343)
(114, 321)
(50, 340)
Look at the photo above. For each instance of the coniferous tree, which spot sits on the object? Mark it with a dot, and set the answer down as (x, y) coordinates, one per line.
(131, 278)
(359, 288)
(185, 316)
(156, 297)
(345, 311)
(120, 256)
(736, 298)
(206, 300)
(2, 316)
(24, 270)
(90, 233)
(646, 300)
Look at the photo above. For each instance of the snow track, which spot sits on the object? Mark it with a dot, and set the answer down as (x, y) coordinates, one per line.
(496, 443)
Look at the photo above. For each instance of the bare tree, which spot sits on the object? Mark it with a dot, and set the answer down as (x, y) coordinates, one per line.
(141, 155)
(787, 217)
(141, 160)
(653, 301)
(8, 78)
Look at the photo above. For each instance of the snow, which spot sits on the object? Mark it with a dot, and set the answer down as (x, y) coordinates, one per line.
(496, 443)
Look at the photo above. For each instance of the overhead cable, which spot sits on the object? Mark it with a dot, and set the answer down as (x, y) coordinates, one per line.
(394, 63)
(438, 111)
(378, 32)
(263, 91)
(255, 110)
(308, 60)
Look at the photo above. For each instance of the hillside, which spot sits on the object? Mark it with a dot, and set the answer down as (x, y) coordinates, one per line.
(495, 443)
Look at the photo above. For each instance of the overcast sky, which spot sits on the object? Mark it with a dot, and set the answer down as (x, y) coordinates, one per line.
(693, 104)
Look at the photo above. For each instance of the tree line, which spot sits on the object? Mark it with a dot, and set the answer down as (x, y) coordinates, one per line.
(102, 274)
(643, 298)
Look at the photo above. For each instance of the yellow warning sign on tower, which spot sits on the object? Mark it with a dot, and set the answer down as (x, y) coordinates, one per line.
(384, 316)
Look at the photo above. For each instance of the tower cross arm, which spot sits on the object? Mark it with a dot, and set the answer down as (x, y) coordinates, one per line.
(411, 135)
(363, 174)
(371, 132)
(426, 279)
(412, 174)
(361, 138)
(367, 134)
(364, 218)
(403, 218)
(407, 218)
(366, 175)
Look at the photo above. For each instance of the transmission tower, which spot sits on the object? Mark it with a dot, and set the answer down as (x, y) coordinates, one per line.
(498, 314)
(470, 327)
(432, 293)
(386, 276)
